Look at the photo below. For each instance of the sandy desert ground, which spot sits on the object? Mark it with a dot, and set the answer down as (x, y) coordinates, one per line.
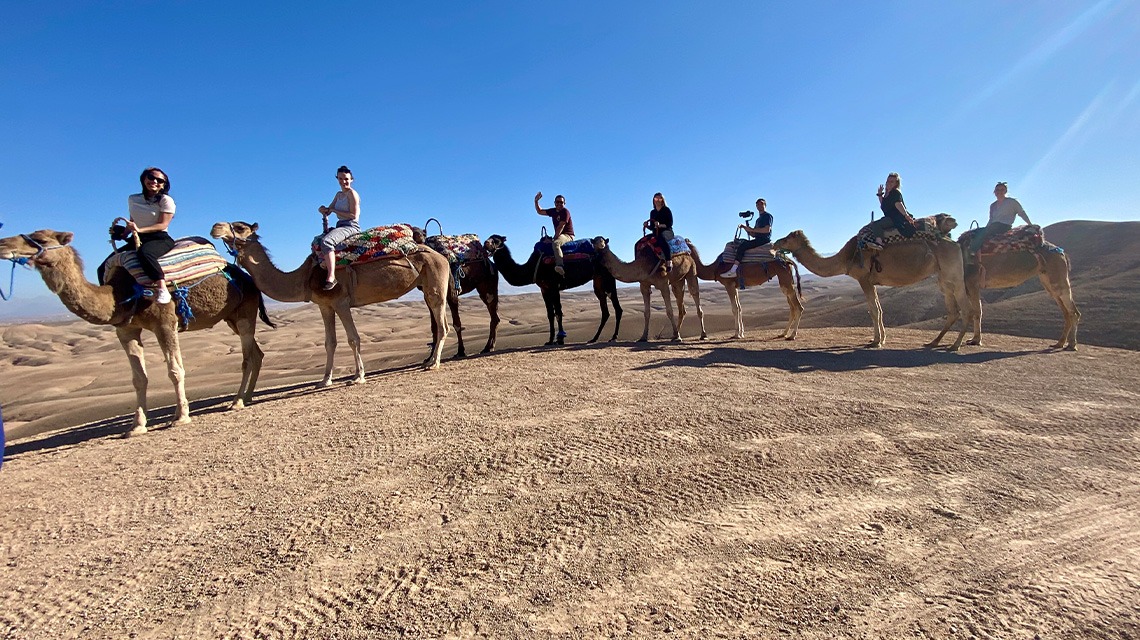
(722, 488)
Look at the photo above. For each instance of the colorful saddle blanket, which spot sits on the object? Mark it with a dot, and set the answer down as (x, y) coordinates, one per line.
(574, 250)
(1027, 238)
(191, 258)
(763, 253)
(882, 232)
(458, 249)
(677, 245)
(376, 243)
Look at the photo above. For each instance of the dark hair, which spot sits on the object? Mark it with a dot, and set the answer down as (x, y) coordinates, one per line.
(344, 169)
(560, 197)
(165, 189)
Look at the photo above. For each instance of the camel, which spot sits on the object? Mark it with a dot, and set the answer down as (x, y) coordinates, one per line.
(755, 274)
(212, 298)
(1005, 270)
(578, 273)
(647, 271)
(475, 275)
(896, 265)
(364, 284)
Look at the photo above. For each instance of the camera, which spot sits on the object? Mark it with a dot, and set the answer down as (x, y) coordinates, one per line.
(746, 214)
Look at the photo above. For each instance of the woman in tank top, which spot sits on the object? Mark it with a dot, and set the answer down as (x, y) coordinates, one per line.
(345, 206)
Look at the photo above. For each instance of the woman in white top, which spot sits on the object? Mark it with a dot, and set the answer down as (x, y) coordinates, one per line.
(346, 207)
(150, 214)
(1003, 213)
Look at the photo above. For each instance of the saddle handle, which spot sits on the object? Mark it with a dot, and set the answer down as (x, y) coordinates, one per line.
(545, 235)
(138, 242)
(437, 223)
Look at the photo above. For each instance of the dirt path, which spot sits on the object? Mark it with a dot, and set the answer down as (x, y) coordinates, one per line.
(703, 489)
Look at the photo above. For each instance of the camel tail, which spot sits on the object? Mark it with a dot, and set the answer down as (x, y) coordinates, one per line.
(261, 310)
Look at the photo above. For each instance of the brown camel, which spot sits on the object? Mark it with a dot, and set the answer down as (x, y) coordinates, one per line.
(375, 281)
(897, 265)
(756, 274)
(474, 275)
(212, 298)
(646, 270)
(1005, 270)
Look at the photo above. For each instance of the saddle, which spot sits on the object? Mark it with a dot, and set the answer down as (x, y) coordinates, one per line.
(1026, 238)
(762, 254)
(377, 243)
(572, 251)
(677, 246)
(882, 232)
(458, 249)
(192, 258)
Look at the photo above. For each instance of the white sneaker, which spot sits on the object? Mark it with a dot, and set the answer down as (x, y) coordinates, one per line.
(163, 296)
(731, 273)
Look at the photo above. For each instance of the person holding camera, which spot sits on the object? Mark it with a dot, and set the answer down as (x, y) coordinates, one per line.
(660, 222)
(563, 227)
(759, 235)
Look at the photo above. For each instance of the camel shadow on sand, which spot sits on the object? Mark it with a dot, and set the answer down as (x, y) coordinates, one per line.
(835, 359)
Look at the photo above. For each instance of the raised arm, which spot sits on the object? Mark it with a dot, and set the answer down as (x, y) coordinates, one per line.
(538, 209)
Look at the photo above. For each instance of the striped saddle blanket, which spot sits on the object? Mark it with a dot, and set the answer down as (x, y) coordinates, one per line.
(377, 243)
(882, 232)
(192, 258)
(1027, 238)
(458, 249)
(763, 253)
(574, 250)
(677, 245)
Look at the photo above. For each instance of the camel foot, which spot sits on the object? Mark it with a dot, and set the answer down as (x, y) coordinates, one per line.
(976, 342)
(789, 338)
(431, 367)
(327, 382)
(677, 339)
(179, 421)
(459, 356)
(137, 431)
(355, 381)
(643, 339)
(238, 403)
(874, 345)
(1071, 347)
(704, 336)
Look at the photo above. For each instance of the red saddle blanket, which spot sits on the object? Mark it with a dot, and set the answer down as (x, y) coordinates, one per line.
(1026, 238)
(882, 232)
(376, 243)
(191, 258)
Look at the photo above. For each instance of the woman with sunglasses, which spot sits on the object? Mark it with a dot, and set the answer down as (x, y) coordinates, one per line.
(150, 214)
(345, 206)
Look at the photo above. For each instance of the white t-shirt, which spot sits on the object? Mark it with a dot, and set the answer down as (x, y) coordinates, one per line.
(1005, 211)
(144, 213)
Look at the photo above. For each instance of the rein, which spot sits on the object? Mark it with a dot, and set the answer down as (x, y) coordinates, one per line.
(24, 261)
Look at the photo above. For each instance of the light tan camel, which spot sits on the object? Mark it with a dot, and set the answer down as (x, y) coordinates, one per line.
(646, 270)
(756, 274)
(1005, 270)
(897, 265)
(212, 299)
(371, 282)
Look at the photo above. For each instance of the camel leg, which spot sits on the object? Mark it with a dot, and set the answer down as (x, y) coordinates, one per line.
(678, 288)
(1062, 294)
(666, 295)
(601, 293)
(795, 305)
(876, 310)
(167, 336)
(328, 317)
(645, 290)
(550, 297)
(251, 358)
(436, 301)
(344, 312)
(954, 295)
(490, 298)
(456, 323)
(131, 339)
(611, 290)
(734, 303)
(695, 291)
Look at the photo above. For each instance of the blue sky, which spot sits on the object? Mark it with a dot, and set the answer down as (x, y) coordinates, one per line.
(462, 111)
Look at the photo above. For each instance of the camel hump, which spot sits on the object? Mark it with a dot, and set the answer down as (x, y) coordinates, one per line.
(1026, 238)
(191, 259)
(462, 248)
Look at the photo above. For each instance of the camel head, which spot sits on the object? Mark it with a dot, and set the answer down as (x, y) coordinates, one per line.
(235, 234)
(945, 223)
(35, 247)
(419, 236)
(493, 243)
(794, 241)
(601, 243)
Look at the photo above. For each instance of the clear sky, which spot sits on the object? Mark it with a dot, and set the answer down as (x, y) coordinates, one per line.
(462, 111)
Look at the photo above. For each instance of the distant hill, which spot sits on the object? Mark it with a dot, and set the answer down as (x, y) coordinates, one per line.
(1105, 259)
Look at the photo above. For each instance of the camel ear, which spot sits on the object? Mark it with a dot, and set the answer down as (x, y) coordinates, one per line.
(64, 237)
(253, 227)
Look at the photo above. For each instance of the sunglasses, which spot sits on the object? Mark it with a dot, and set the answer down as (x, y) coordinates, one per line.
(156, 179)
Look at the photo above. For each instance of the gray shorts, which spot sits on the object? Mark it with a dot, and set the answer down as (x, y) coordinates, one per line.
(340, 233)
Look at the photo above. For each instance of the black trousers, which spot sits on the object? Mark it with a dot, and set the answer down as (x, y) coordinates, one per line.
(663, 238)
(152, 246)
(751, 243)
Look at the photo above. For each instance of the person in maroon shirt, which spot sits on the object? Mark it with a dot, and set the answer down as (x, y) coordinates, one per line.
(563, 227)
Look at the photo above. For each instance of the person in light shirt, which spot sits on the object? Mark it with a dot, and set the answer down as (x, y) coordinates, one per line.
(1004, 211)
(150, 213)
